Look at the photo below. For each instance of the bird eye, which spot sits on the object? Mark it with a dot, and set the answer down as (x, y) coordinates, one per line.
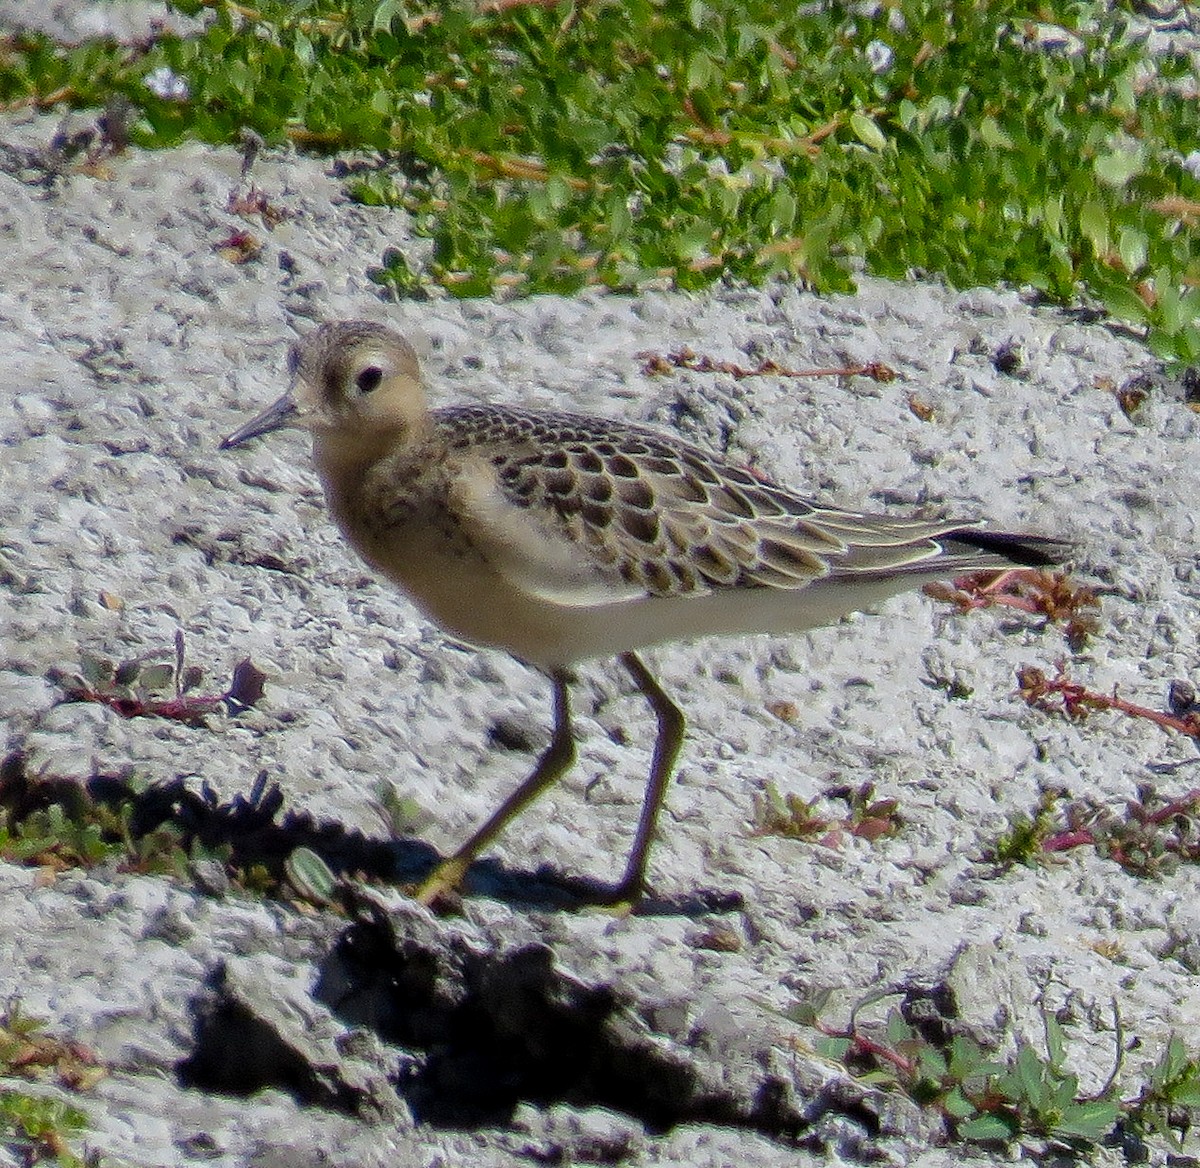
(369, 379)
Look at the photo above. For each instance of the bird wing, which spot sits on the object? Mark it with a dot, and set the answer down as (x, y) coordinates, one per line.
(582, 510)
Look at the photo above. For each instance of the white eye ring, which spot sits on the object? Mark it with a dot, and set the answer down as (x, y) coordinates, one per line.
(368, 379)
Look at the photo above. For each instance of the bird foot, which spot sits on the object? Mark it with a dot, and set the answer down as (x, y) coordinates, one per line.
(442, 883)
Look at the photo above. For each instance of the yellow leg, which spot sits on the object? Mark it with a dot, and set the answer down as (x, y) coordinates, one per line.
(671, 725)
(555, 759)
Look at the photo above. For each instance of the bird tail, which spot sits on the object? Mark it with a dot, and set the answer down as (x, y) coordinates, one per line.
(1021, 551)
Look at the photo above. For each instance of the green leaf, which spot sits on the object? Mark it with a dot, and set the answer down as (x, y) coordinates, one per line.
(303, 49)
(783, 211)
(809, 1011)
(1132, 247)
(993, 136)
(957, 1105)
(1029, 1076)
(897, 1029)
(310, 876)
(619, 219)
(1124, 303)
(385, 13)
(966, 1056)
(932, 1063)
(1093, 225)
(1170, 1063)
(157, 678)
(381, 101)
(1120, 166)
(700, 71)
(936, 110)
(832, 1048)
(558, 191)
(988, 1129)
(1187, 1095)
(1056, 1047)
(1088, 1121)
(882, 1077)
(866, 131)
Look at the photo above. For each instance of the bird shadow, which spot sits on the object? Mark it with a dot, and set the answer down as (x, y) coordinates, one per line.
(165, 827)
(544, 888)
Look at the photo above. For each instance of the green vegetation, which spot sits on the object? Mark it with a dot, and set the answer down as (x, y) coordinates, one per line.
(792, 817)
(84, 834)
(1170, 1101)
(39, 1126)
(542, 147)
(1023, 841)
(1149, 835)
(1028, 1097)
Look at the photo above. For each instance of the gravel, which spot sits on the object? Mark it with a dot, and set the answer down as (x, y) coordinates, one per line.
(240, 1031)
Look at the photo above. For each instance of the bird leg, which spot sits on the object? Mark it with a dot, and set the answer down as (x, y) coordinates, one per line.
(555, 759)
(669, 739)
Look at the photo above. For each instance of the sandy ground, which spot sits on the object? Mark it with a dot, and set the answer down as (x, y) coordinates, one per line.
(131, 344)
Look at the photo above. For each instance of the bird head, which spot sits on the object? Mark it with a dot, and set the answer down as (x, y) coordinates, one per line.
(354, 384)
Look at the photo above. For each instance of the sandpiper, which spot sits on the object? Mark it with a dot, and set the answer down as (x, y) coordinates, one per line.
(563, 537)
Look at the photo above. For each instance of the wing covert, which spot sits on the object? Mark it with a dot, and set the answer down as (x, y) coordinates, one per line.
(620, 509)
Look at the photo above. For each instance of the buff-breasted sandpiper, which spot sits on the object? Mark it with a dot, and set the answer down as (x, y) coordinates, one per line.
(562, 537)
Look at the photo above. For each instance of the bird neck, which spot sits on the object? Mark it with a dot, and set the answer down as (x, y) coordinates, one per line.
(344, 455)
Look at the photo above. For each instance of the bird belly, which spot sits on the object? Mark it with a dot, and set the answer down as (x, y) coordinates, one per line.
(459, 591)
